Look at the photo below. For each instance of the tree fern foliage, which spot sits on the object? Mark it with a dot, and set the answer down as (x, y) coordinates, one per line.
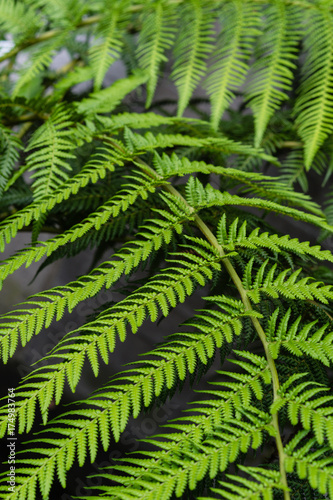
(176, 144)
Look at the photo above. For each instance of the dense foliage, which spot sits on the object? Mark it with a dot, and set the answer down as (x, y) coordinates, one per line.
(180, 190)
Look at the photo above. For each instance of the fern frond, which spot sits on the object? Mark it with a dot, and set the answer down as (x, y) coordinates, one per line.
(300, 339)
(273, 72)
(178, 355)
(253, 182)
(40, 59)
(179, 464)
(103, 54)
(282, 284)
(18, 323)
(53, 143)
(18, 19)
(240, 21)
(230, 438)
(314, 108)
(262, 484)
(293, 170)
(156, 37)
(241, 390)
(62, 13)
(124, 225)
(311, 463)
(103, 161)
(193, 45)
(186, 207)
(135, 120)
(18, 197)
(164, 291)
(213, 197)
(120, 202)
(106, 100)
(150, 142)
(307, 403)
(236, 236)
(9, 154)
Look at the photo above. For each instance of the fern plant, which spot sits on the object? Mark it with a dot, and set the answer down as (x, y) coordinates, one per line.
(181, 189)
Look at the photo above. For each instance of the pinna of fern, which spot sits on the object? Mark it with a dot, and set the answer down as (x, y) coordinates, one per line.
(171, 197)
(276, 33)
(196, 194)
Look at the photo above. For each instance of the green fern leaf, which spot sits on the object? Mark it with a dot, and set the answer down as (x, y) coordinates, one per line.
(148, 477)
(19, 19)
(126, 197)
(314, 106)
(296, 339)
(262, 487)
(315, 465)
(106, 100)
(50, 163)
(103, 54)
(234, 236)
(93, 170)
(40, 59)
(10, 146)
(286, 286)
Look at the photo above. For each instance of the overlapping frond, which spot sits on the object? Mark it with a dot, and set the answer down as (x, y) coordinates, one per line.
(181, 462)
(40, 60)
(191, 459)
(308, 404)
(120, 202)
(150, 141)
(52, 144)
(137, 387)
(164, 291)
(179, 355)
(100, 163)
